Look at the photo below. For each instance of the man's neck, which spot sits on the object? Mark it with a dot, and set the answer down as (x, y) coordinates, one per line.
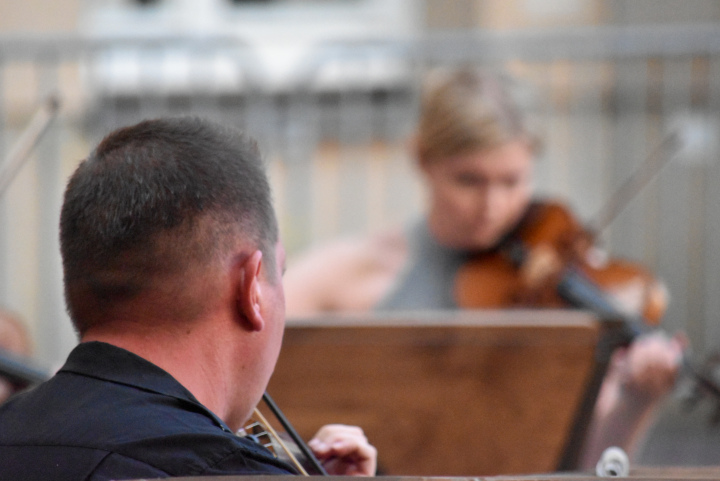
(189, 355)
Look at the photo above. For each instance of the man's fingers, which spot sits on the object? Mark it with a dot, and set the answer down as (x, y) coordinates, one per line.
(344, 450)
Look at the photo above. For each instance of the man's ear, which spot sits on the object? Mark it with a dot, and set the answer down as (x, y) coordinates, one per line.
(248, 292)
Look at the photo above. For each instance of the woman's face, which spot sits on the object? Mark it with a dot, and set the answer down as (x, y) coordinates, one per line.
(478, 197)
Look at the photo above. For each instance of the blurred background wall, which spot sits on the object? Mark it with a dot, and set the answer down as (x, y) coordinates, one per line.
(329, 88)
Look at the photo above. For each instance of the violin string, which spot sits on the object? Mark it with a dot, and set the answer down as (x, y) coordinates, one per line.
(275, 437)
(257, 432)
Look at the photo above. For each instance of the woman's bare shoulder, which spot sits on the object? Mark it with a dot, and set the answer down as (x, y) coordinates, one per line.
(346, 274)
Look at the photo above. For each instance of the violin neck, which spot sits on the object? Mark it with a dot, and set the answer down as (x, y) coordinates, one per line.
(580, 292)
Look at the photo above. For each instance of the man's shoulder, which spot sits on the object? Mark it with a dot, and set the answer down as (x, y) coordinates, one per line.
(203, 454)
(135, 432)
(42, 462)
(181, 455)
(116, 428)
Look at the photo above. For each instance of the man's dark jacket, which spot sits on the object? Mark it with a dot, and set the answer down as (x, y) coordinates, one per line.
(109, 414)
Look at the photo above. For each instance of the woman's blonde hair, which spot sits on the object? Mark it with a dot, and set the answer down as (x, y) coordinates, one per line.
(467, 110)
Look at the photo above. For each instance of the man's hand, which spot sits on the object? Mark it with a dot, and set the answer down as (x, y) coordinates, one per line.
(344, 450)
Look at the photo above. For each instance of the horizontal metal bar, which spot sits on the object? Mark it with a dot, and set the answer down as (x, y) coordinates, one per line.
(482, 45)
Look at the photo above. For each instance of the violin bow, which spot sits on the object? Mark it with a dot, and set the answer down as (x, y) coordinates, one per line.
(294, 435)
(28, 140)
(650, 167)
(20, 370)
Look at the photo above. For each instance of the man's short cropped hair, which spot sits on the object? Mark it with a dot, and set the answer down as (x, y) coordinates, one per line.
(154, 198)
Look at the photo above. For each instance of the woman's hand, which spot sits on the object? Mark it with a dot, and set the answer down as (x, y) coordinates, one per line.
(649, 366)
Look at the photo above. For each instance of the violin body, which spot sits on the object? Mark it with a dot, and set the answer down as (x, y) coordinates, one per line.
(527, 267)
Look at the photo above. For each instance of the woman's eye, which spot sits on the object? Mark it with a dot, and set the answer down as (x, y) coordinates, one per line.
(511, 182)
(469, 180)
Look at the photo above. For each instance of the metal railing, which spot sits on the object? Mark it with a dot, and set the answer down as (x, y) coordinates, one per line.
(334, 135)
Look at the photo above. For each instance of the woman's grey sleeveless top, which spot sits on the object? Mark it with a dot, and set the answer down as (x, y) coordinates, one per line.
(428, 278)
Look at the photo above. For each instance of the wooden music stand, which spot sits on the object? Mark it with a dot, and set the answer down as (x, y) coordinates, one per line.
(465, 393)
(695, 474)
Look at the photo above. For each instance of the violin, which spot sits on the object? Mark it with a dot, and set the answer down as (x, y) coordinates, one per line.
(291, 448)
(549, 260)
(547, 251)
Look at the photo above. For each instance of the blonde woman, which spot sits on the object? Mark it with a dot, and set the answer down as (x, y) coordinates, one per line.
(475, 152)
